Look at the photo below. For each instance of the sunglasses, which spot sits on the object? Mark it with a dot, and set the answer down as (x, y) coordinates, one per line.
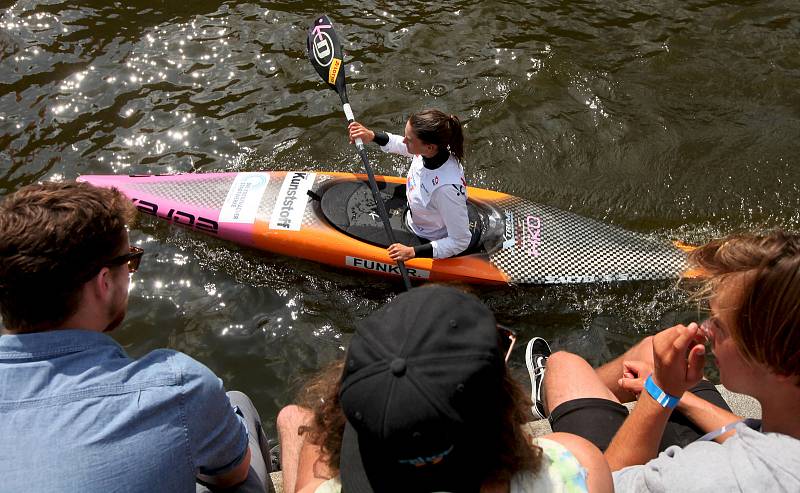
(506, 337)
(133, 259)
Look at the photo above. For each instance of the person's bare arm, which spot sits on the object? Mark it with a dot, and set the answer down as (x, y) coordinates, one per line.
(312, 471)
(678, 365)
(706, 415)
(289, 421)
(703, 414)
(637, 440)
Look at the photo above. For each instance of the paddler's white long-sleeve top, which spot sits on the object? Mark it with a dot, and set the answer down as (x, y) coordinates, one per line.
(437, 197)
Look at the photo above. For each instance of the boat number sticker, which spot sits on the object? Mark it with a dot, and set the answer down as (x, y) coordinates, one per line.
(373, 265)
(292, 199)
(509, 235)
(532, 237)
(244, 196)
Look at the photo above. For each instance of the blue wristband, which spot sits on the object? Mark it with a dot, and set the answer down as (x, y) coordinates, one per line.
(663, 399)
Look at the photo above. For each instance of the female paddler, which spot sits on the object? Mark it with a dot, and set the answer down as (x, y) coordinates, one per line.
(435, 186)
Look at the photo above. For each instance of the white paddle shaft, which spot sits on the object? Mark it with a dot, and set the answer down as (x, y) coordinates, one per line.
(348, 113)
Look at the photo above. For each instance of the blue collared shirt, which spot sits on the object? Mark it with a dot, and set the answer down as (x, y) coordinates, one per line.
(77, 414)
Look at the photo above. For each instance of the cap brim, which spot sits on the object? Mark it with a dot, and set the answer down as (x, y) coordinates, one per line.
(382, 476)
(385, 478)
(351, 467)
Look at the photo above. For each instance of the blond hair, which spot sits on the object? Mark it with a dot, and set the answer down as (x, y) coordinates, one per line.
(767, 327)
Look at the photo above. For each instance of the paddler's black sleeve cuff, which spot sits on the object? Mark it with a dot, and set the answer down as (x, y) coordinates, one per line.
(424, 251)
(381, 138)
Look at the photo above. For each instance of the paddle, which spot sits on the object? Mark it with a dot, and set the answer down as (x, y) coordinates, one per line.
(325, 53)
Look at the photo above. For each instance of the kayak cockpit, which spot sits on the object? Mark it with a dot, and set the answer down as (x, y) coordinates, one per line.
(349, 207)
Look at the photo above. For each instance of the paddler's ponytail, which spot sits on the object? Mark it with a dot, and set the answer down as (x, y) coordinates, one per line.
(456, 138)
(436, 127)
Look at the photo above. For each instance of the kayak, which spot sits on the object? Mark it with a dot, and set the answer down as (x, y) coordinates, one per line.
(331, 218)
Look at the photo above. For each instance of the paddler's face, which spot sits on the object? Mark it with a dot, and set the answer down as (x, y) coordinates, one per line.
(415, 145)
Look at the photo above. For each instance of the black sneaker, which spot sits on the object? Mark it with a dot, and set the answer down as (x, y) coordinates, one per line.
(536, 354)
(274, 455)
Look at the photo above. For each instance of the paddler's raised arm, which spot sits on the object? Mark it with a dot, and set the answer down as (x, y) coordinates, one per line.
(392, 143)
(388, 142)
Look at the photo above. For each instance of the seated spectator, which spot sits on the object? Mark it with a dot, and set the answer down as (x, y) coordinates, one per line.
(77, 414)
(423, 401)
(753, 285)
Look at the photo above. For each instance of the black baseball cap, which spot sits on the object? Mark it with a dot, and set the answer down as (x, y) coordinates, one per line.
(422, 374)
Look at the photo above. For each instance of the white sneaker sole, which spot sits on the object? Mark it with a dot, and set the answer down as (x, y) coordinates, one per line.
(535, 389)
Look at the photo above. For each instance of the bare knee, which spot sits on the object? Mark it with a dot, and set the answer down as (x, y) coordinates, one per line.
(569, 377)
(561, 367)
(564, 360)
(642, 351)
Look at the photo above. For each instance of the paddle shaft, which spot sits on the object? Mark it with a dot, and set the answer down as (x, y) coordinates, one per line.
(325, 55)
(376, 194)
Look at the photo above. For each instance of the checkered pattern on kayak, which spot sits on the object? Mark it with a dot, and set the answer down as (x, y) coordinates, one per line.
(555, 246)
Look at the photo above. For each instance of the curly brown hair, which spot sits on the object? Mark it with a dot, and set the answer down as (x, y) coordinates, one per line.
(53, 238)
(506, 447)
(768, 320)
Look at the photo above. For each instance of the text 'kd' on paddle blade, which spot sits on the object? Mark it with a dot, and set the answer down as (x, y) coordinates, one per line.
(325, 53)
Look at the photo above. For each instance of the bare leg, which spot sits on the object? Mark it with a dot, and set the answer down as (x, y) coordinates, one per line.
(611, 372)
(569, 377)
(290, 419)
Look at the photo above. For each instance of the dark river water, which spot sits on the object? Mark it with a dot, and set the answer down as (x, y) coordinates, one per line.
(678, 119)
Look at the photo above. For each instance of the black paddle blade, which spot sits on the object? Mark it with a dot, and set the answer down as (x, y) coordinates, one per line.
(325, 53)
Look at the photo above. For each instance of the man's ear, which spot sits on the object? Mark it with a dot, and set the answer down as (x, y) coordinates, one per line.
(100, 285)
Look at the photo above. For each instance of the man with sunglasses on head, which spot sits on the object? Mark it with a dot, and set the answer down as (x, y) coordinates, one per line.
(77, 413)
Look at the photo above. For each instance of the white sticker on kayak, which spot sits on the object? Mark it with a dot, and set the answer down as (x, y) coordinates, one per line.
(373, 265)
(244, 196)
(291, 203)
(509, 235)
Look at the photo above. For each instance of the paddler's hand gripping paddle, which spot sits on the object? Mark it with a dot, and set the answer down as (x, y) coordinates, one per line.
(325, 53)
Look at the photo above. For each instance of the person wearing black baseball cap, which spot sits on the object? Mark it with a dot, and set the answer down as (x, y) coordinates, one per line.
(425, 403)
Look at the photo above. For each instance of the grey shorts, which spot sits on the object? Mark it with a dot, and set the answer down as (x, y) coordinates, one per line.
(258, 478)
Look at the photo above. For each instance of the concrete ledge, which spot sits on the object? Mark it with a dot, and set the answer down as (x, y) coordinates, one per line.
(741, 404)
(277, 481)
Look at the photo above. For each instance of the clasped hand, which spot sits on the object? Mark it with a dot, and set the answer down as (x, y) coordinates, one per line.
(400, 253)
(677, 365)
(359, 131)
